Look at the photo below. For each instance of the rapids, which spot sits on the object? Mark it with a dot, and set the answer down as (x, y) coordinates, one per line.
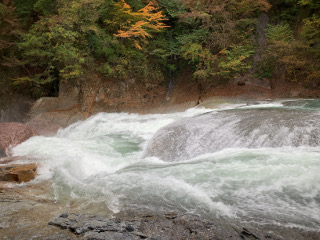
(253, 161)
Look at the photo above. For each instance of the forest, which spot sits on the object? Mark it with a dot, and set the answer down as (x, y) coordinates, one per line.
(44, 42)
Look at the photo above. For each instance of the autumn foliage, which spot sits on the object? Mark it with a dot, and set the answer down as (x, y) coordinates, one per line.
(140, 24)
(44, 42)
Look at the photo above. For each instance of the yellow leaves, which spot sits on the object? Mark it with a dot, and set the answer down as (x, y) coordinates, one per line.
(140, 24)
(21, 80)
(124, 6)
(136, 44)
(223, 52)
(136, 30)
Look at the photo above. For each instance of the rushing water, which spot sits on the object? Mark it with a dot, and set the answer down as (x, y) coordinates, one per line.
(257, 162)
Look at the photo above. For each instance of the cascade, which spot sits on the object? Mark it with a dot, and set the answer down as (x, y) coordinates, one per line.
(239, 128)
(256, 162)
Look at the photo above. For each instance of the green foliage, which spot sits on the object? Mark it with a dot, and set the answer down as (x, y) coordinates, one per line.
(56, 47)
(173, 8)
(45, 7)
(294, 47)
(288, 53)
(220, 42)
(279, 32)
(25, 11)
(313, 4)
(9, 32)
(248, 8)
(237, 61)
(311, 33)
(64, 40)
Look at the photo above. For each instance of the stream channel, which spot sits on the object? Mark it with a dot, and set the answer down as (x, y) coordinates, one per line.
(257, 162)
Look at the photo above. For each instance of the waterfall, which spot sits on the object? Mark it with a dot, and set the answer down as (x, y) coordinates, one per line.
(256, 162)
(241, 128)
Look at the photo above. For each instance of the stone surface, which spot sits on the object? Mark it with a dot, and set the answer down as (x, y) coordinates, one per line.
(160, 226)
(18, 172)
(2, 154)
(14, 133)
(16, 108)
(25, 211)
(49, 114)
(48, 123)
(249, 80)
(148, 226)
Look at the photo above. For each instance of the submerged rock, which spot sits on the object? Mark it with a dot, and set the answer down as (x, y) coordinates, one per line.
(14, 133)
(18, 172)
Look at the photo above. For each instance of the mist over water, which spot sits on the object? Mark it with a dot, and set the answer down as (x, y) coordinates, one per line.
(257, 162)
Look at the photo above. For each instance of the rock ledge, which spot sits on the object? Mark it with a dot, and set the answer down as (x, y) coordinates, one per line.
(18, 172)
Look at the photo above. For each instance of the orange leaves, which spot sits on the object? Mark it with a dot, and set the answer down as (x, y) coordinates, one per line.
(136, 30)
(140, 24)
(123, 5)
(153, 17)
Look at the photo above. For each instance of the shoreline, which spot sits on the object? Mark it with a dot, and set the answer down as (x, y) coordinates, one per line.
(34, 201)
(28, 213)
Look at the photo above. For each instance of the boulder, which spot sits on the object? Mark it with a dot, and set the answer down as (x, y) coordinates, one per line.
(18, 172)
(14, 133)
(48, 123)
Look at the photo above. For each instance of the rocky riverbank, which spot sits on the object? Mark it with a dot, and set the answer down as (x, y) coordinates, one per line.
(26, 209)
(80, 100)
(159, 226)
(29, 212)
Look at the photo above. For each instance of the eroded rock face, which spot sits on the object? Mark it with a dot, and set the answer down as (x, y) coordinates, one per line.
(14, 133)
(18, 172)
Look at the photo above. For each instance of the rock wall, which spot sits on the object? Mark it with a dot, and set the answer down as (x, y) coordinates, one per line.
(16, 110)
(81, 99)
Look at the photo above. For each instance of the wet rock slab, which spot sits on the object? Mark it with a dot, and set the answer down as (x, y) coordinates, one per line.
(156, 226)
(167, 226)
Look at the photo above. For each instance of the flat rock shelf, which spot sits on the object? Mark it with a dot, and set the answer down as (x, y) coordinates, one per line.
(155, 226)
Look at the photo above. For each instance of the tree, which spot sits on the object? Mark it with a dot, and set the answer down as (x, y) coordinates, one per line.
(9, 31)
(227, 45)
(56, 48)
(138, 25)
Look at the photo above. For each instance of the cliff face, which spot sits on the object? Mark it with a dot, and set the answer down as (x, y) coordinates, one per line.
(80, 100)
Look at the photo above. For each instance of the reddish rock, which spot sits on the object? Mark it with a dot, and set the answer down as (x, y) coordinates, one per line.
(14, 133)
(18, 172)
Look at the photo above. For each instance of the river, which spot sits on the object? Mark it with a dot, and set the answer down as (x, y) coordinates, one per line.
(258, 162)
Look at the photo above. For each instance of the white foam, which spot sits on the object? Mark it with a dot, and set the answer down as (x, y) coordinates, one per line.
(100, 160)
